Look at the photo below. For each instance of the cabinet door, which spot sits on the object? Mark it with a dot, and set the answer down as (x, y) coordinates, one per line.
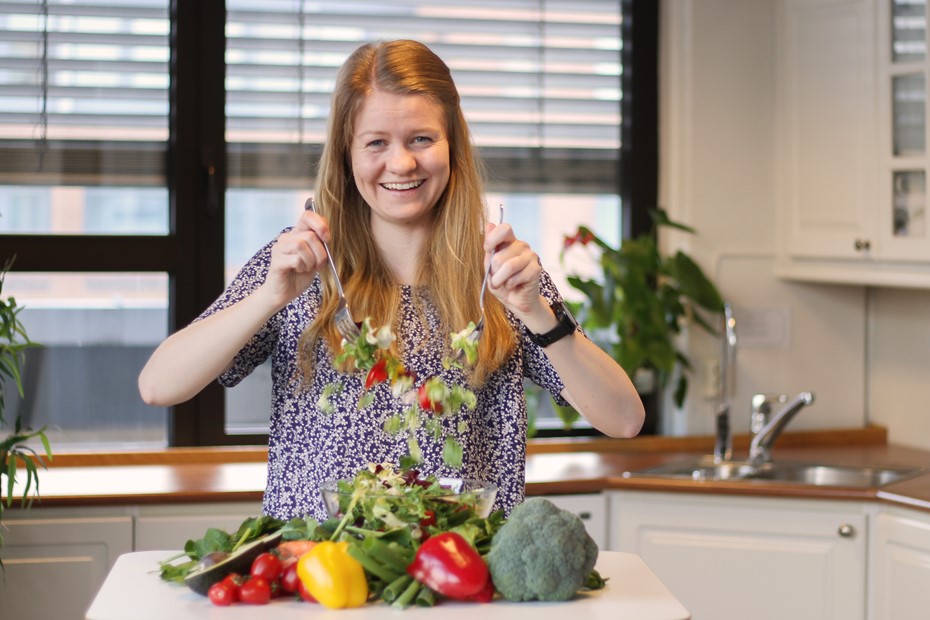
(738, 558)
(54, 566)
(826, 129)
(592, 508)
(900, 568)
(169, 527)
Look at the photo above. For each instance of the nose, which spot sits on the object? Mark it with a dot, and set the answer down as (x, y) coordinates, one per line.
(400, 159)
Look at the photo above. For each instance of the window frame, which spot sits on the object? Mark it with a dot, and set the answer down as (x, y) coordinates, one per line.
(192, 253)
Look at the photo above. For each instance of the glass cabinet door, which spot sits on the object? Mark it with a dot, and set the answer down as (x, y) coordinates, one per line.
(902, 224)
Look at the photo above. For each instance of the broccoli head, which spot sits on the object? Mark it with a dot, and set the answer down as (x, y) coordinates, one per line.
(541, 553)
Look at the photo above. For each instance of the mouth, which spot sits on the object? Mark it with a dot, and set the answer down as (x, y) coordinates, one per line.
(408, 185)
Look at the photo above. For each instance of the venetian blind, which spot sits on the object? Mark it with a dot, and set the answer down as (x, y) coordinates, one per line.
(539, 79)
(74, 75)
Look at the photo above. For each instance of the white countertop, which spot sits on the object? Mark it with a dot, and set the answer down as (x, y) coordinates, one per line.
(134, 590)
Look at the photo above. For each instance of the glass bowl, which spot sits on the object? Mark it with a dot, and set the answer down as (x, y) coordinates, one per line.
(395, 505)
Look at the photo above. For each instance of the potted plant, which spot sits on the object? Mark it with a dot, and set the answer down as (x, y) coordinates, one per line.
(637, 306)
(14, 451)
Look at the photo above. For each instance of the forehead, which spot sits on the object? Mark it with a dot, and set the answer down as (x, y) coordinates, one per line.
(385, 112)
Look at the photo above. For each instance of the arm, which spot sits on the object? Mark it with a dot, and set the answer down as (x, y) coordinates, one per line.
(594, 383)
(193, 357)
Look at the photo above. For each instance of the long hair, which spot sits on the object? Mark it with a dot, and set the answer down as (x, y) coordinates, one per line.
(451, 266)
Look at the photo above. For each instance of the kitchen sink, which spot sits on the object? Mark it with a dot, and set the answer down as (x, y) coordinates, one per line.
(704, 468)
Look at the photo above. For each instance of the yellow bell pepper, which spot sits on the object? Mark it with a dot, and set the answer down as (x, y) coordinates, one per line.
(332, 576)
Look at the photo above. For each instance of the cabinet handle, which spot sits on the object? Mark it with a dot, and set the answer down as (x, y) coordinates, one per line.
(846, 530)
(862, 245)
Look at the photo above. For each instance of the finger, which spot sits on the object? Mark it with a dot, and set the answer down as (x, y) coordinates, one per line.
(496, 235)
(305, 247)
(514, 267)
(312, 221)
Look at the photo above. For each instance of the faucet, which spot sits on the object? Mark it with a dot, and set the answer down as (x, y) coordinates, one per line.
(760, 449)
(723, 443)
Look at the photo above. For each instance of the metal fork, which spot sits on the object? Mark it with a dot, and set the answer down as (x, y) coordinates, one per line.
(343, 318)
(479, 328)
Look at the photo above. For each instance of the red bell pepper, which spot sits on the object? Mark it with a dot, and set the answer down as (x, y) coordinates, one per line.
(447, 564)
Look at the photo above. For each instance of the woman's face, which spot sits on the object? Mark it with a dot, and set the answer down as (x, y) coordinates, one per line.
(400, 156)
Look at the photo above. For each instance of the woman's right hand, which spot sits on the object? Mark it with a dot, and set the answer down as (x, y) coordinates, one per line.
(296, 257)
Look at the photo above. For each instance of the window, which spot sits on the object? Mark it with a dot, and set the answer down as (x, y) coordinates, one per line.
(151, 147)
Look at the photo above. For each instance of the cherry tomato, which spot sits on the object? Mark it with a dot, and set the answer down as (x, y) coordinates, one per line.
(377, 374)
(255, 591)
(429, 518)
(430, 395)
(304, 592)
(267, 565)
(222, 593)
(289, 579)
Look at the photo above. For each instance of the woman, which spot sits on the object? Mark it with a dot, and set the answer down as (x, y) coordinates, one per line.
(400, 201)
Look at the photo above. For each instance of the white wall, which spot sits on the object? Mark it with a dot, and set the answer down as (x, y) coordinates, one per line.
(718, 175)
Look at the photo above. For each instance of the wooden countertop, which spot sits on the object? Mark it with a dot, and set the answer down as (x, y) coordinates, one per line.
(553, 467)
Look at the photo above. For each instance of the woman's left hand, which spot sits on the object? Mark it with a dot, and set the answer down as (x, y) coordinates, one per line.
(515, 269)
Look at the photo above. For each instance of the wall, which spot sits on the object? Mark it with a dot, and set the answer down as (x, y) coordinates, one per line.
(865, 353)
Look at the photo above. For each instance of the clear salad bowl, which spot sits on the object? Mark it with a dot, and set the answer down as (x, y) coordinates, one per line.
(417, 502)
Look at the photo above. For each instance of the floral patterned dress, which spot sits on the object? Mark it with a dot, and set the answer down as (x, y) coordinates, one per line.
(307, 446)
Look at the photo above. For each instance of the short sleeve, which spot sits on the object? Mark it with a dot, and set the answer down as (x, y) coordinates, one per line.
(259, 347)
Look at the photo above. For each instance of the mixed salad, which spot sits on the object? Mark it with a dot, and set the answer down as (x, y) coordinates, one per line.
(426, 400)
(398, 537)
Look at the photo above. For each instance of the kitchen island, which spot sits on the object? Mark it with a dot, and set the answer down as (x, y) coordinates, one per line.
(134, 590)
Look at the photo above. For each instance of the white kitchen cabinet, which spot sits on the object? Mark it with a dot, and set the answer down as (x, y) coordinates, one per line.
(727, 557)
(169, 527)
(592, 508)
(900, 566)
(55, 561)
(850, 144)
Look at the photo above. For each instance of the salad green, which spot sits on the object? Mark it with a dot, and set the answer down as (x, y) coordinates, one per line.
(426, 403)
(387, 515)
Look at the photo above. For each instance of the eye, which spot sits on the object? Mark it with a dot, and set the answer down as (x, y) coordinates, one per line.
(375, 143)
(422, 140)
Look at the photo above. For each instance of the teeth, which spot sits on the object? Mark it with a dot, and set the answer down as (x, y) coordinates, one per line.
(398, 186)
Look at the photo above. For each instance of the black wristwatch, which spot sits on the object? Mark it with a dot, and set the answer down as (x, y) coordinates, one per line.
(566, 327)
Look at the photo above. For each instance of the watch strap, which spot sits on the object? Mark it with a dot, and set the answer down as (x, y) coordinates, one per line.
(565, 327)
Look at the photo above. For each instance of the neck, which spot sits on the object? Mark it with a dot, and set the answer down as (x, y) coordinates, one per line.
(400, 248)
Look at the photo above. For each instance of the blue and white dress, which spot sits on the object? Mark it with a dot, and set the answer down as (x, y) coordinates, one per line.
(307, 446)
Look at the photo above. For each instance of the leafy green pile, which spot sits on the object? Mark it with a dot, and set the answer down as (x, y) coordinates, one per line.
(219, 541)
(385, 514)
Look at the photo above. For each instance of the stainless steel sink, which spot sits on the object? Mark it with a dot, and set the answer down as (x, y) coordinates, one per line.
(704, 468)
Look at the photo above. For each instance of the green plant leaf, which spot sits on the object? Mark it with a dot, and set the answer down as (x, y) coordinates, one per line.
(645, 299)
(695, 285)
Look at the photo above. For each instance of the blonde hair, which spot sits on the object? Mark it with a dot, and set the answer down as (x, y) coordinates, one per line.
(451, 267)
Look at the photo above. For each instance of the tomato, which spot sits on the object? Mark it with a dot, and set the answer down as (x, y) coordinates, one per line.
(289, 579)
(222, 593)
(377, 374)
(431, 394)
(291, 550)
(429, 518)
(304, 592)
(255, 591)
(267, 565)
